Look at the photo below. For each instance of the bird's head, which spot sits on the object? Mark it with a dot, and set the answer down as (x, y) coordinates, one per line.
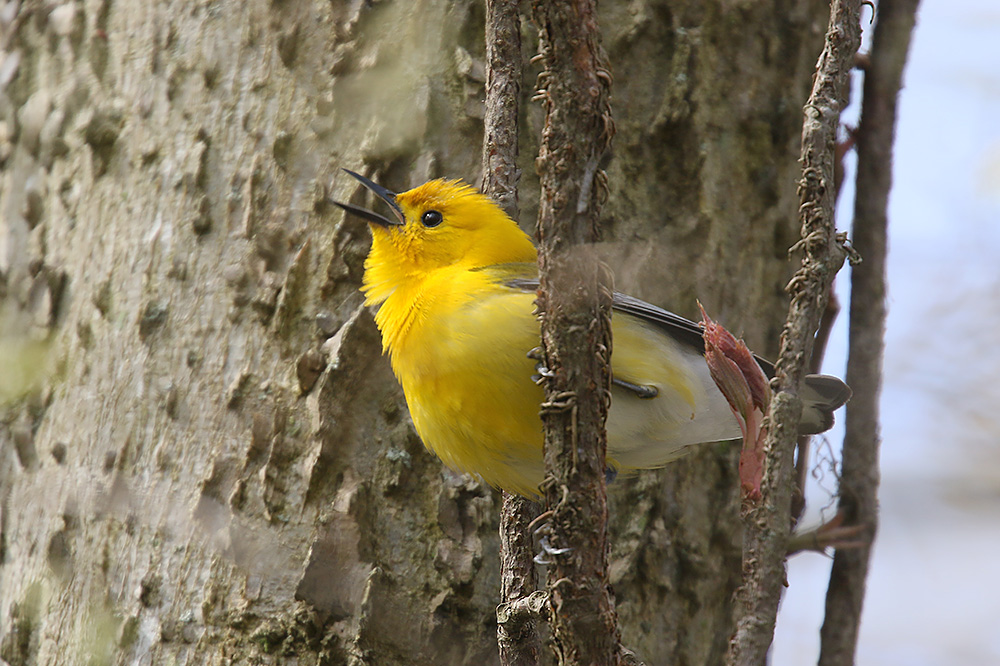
(440, 224)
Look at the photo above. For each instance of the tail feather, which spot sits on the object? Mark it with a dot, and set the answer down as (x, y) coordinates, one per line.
(821, 396)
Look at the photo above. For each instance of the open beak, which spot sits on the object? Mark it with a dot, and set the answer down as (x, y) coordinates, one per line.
(371, 216)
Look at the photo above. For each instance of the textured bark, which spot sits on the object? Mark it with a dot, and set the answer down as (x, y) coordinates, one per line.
(517, 634)
(237, 478)
(517, 631)
(574, 304)
(767, 522)
(702, 205)
(859, 476)
(220, 466)
(504, 71)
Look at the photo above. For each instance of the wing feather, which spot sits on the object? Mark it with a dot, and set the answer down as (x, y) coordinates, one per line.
(822, 394)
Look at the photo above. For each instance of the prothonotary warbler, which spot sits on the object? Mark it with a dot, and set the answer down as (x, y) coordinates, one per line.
(454, 279)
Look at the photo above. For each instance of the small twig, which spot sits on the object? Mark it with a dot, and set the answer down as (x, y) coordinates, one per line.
(831, 534)
(860, 471)
(767, 523)
(517, 636)
(517, 640)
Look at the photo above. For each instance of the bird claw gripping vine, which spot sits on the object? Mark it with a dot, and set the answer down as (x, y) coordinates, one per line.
(542, 371)
(853, 256)
(549, 551)
(541, 374)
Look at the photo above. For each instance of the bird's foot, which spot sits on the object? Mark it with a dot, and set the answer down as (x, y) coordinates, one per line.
(640, 390)
(549, 551)
(541, 371)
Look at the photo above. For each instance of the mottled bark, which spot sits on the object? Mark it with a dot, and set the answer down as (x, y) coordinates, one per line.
(767, 522)
(859, 477)
(219, 434)
(225, 469)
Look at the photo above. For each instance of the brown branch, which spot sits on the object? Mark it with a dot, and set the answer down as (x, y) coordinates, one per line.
(831, 534)
(823, 334)
(574, 301)
(860, 473)
(517, 637)
(503, 94)
(767, 522)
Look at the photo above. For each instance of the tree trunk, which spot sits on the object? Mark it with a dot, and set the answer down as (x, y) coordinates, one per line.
(212, 462)
(703, 207)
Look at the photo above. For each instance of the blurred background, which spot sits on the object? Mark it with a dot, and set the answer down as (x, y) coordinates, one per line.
(933, 596)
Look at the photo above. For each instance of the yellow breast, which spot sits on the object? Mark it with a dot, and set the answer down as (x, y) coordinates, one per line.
(463, 366)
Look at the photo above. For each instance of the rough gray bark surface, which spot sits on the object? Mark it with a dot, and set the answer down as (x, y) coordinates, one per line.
(218, 465)
(239, 477)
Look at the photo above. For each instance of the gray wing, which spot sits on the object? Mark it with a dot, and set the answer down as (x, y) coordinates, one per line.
(821, 394)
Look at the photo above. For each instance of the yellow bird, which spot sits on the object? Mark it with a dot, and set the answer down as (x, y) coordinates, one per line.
(454, 279)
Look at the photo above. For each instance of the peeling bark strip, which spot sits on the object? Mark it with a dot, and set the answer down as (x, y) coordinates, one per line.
(574, 302)
(766, 524)
(860, 474)
(517, 636)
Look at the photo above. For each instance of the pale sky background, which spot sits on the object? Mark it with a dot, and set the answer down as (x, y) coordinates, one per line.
(934, 592)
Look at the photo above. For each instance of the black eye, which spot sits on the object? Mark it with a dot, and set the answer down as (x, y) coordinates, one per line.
(431, 218)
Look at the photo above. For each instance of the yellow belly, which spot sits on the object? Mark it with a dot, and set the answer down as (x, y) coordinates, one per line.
(467, 379)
